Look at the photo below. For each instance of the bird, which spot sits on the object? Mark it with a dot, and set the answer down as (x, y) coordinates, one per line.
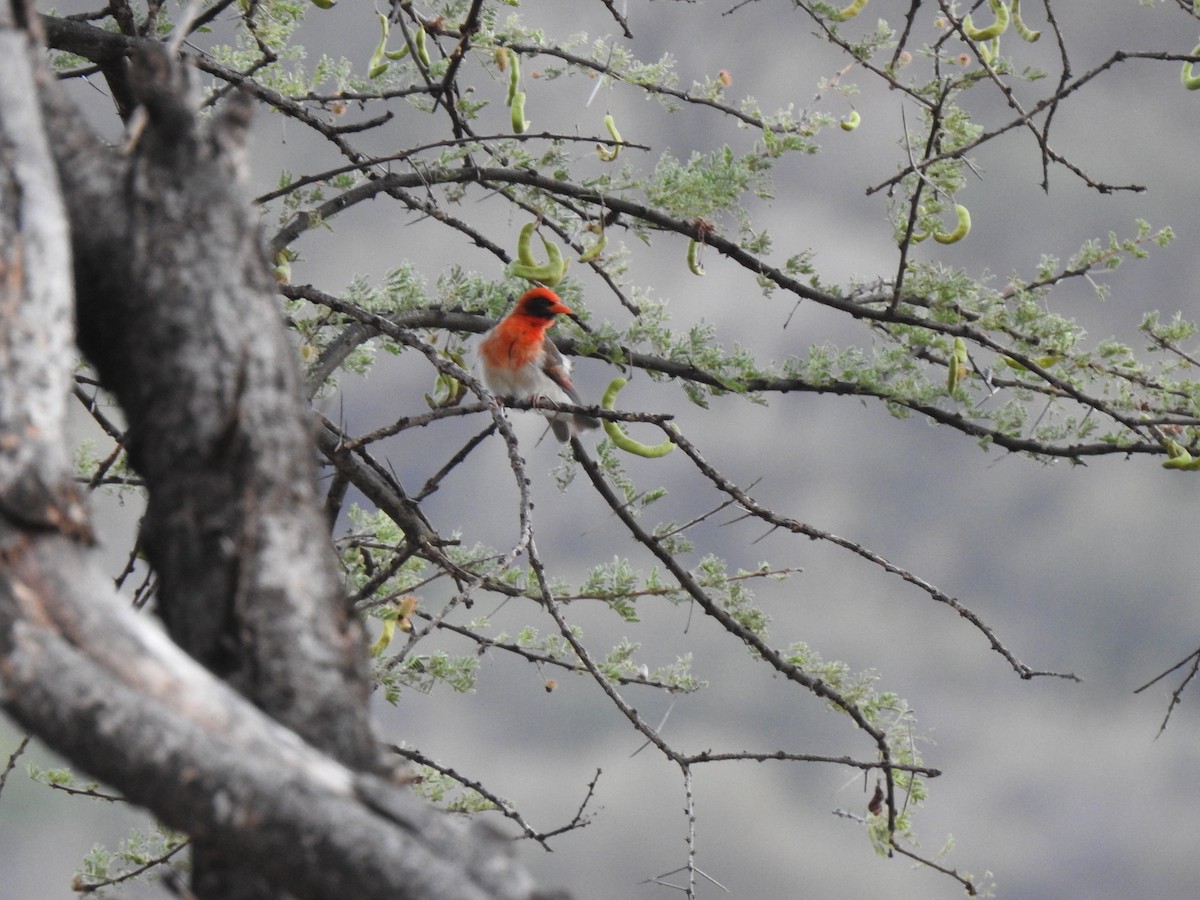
(521, 363)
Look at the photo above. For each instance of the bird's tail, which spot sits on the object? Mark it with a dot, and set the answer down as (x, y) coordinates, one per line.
(564, 426)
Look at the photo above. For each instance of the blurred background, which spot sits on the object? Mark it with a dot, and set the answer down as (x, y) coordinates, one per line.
(1051, 789)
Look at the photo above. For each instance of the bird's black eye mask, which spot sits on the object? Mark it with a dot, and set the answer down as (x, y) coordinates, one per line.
(541, 308)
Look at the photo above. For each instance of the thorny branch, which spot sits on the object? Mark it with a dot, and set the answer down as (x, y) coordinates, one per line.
(579, 820)
(1192, 662)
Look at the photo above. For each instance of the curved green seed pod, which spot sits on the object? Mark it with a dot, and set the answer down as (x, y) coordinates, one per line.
(851, 121)
(1174, 451)
(619, 437)
(519, 123)
(283, 265)
(952, 375)
(609, 397)
(1044, 362)
(525, 245)
(385, 637)
(1179, 458)
(556, 265)
(595, 250)
(397, 54)
(1187, 465)
(549, 273)
(693, 257)
(990, 50)
(609, 154)
(964, 226)
(514, 77)
(1026, 33)
(419, 43)
(324, 4)
(1186, 78)
(849, 12)
(377, 66)
(956, 369)
(611, 124)
(994, 30)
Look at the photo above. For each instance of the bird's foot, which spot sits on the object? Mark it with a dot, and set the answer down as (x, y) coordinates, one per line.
(537, 401)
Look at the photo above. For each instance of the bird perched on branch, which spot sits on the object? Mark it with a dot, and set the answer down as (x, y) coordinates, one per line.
(521, 363)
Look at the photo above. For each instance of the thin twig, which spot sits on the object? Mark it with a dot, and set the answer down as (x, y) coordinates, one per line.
(12, 760)
(505, 808)
(1177, 694)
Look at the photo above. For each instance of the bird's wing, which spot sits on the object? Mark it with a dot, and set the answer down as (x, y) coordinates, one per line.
(558, 370)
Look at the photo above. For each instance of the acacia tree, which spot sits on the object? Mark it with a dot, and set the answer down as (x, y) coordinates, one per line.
(185, 331)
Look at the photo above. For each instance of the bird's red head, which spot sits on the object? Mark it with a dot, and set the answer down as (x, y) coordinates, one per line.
(541, 303)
